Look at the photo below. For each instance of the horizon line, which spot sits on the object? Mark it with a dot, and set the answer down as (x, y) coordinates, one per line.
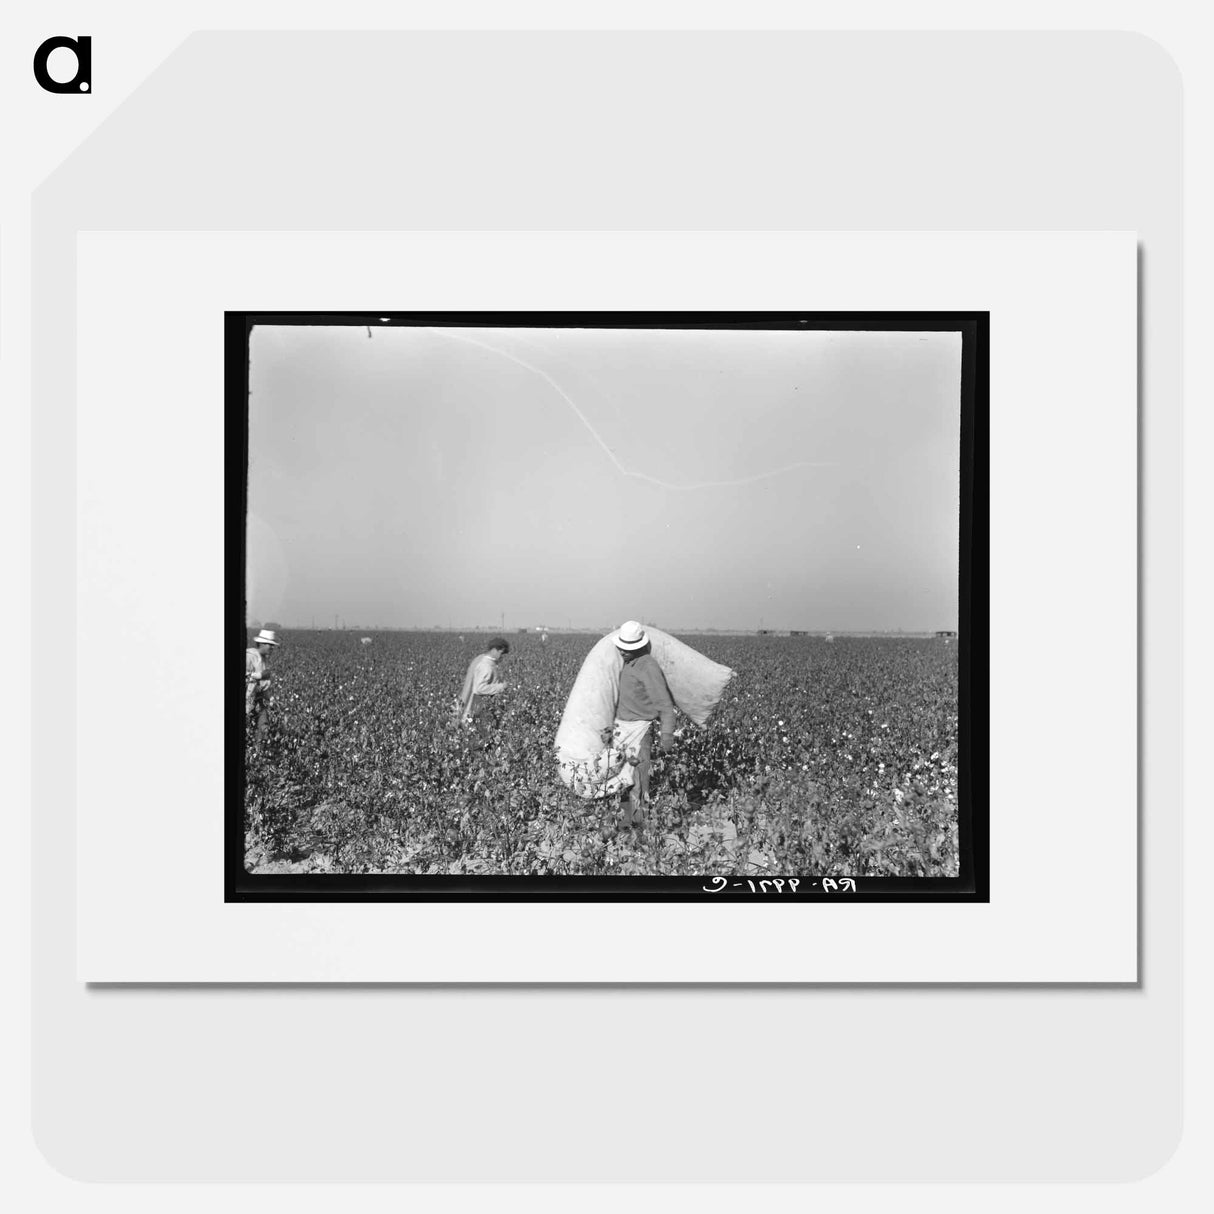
(515, 630)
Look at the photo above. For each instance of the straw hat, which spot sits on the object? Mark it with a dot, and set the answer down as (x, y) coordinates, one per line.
(631, 636)
(265, 637)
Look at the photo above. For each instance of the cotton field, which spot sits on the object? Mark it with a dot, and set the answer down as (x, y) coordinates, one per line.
(823, 759)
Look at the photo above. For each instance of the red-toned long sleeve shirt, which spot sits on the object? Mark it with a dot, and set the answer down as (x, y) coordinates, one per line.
(644, 695)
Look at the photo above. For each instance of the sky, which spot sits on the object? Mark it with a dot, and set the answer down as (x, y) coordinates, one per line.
(463, 477)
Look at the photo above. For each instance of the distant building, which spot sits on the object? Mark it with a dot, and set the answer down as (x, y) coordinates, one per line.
(764, 632)
(944, 634)
(796, 632)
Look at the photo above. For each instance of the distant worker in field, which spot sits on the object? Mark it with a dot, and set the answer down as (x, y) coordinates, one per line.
(643, 698)
(257, 684)
(477, 703)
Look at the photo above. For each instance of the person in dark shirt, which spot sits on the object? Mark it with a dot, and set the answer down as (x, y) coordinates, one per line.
(643, 697)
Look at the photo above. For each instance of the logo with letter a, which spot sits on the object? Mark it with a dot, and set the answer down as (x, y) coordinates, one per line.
(82, 81)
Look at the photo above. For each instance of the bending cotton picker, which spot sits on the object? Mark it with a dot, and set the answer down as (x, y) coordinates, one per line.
(594, 759)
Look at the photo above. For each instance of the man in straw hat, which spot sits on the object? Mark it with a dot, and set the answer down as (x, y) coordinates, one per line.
(643, 697)
(257, 683)
(481, 685)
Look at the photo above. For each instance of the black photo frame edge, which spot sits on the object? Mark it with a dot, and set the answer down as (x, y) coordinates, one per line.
(973, 640)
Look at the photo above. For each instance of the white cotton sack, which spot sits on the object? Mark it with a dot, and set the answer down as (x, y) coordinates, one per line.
(696, 684)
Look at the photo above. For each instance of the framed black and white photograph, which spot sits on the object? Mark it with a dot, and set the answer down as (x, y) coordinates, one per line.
(561, 536)
(607, 606)
(600, 580)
